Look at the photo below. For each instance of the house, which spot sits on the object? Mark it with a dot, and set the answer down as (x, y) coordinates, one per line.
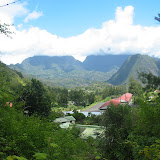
(124, 99)
(67, 119)
(108, 103)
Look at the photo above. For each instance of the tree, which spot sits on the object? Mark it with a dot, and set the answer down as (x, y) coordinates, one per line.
(36, 99)
(4, 29)
(63, 98)
(90, 98)
(158, 18)
(151, 81)
(135, 87)
(78, 96)
(118, 125)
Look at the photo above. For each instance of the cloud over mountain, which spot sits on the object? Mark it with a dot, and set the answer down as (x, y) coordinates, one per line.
(118, 36)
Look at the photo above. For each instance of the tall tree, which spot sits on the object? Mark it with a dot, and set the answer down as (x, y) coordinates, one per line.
(36, 98)
(63, 97)
(78, 96)
(134, 87)
(118, 124)
(151, 81)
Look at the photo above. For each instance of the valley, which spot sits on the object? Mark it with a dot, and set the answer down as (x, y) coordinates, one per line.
(79, 80)
(31, 108)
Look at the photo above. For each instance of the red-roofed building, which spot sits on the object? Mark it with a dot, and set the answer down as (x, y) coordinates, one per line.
(108, 103)
(124, 99)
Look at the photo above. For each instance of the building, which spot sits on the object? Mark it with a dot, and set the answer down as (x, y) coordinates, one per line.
(108, 103)
(124, 99)
(67, 119)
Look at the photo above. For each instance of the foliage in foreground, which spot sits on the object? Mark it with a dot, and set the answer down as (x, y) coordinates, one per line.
(35, 138)
(132, 133)
(117, 123)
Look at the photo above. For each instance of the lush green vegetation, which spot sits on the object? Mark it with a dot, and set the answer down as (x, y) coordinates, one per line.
(35, 138)
(27, 130)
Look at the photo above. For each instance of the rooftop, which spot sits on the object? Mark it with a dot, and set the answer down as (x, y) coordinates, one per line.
(122, 99)
(64, 119)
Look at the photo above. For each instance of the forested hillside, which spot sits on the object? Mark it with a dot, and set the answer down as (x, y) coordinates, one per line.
(68, 72)
(132, 66)
(11, 83)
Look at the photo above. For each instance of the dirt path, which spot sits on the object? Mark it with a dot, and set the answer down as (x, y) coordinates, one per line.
(95, 108)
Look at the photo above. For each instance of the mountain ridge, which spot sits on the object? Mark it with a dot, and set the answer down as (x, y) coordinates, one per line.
(66, 71)
(133, 65)
(61, 70)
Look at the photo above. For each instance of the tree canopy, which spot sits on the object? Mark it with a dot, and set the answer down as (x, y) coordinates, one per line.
(36, 98)
(151, 81)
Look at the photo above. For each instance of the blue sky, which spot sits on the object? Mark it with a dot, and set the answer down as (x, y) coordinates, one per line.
(79, 28)
(72, 17)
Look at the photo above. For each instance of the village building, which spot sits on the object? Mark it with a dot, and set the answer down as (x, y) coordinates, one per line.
(66, 119)
(108, 103)
(124, 99)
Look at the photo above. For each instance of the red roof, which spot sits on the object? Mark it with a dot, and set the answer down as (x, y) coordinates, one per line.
(125, 97)
(113, 101)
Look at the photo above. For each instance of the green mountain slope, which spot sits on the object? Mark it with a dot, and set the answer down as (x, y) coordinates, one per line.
(133, 65)
(64, 63)
(63, 71)
(10, 83)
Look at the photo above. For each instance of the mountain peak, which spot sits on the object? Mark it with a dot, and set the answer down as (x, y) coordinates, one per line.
(133, 65)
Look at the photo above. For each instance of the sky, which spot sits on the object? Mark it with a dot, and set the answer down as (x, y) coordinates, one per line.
(79, 28)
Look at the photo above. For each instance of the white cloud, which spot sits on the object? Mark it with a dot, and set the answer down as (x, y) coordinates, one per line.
(126, 16)
(119, 36)
(8, 13)
(32, 16)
